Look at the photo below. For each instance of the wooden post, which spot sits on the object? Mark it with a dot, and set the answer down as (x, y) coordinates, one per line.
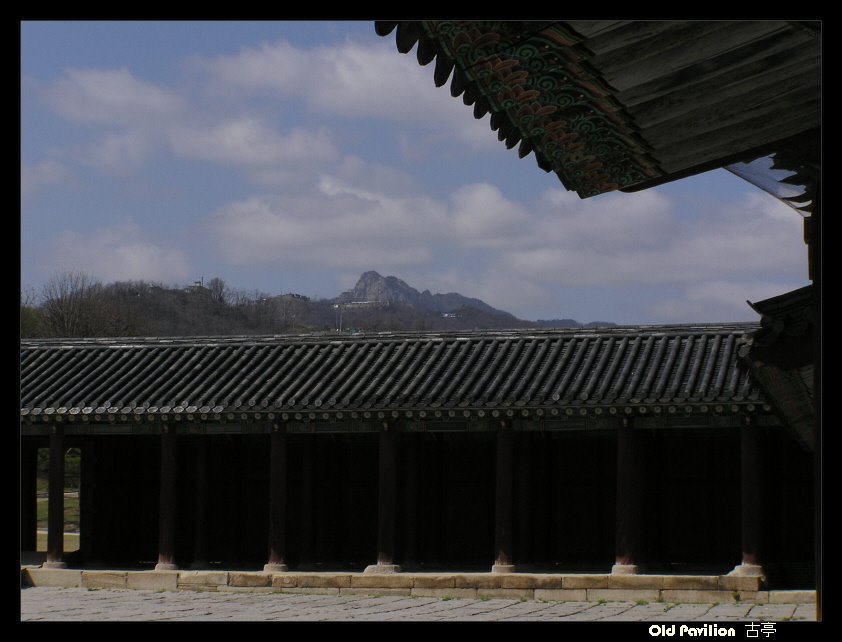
(167, 502)
(87, 485)
(751, 500)
(200, 556)
(526, 499)
(815, 273)
(308, 508)
(55, 508)
(386, 504)
(277, 499)
(629, 499)
(412, 504)
(504, 501)
(28, 498)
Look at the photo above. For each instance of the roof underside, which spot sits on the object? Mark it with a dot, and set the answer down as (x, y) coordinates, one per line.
(618, 104)
(690, 366)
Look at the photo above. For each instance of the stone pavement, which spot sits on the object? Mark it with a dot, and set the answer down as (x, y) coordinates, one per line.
(65, 604)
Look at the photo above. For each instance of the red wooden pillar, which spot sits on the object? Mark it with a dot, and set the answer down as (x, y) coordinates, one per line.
(167, 505)
(751, 504)
(629, 498)
(412, 445)
(200, 556)
(503, 560)
(386, 504)
(308, 505)
(28, 498)
(277, 499)
(55, 508)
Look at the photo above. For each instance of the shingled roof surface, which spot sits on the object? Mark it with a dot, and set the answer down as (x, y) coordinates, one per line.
(532, 369)
(626, 104)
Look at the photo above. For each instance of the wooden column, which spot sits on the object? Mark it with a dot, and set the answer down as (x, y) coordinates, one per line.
(277, 499)
(387, 503)
(815, 273)
(751, 500)
(308, 507)
(167, 502)
(200, 543)
(55, 508)
(87, 488)
(412, 500)
(504, 501)
(526, 499)
(28, 498)
(629, 498)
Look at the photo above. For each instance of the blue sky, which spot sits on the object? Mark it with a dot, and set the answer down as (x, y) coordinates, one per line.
(293, 156)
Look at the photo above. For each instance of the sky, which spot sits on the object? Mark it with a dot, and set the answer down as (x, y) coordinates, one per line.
(293, 156)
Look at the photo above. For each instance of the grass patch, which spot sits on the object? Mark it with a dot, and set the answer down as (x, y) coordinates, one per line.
(642, 602)
(71, 513)
(601, 600)
(736, 595)
(71, 542)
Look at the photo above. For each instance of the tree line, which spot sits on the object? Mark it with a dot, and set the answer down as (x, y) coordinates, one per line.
(75, 304)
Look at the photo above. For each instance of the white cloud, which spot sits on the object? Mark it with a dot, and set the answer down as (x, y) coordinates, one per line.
(337, 226)
(717, 301)
(117, 254)
(248, 141)
(119, 153)
(483, 217)
(352, 79)
(33, 177)
(110, 96)
(641, 241)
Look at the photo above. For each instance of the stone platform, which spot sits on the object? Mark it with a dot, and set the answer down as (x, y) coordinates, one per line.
(690, 589)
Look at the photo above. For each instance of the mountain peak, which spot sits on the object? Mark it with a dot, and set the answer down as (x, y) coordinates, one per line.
(371, 286)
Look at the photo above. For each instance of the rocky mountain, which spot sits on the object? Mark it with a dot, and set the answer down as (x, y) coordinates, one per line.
(391, 290)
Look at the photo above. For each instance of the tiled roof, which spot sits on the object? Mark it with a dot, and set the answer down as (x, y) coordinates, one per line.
(625, 104)
(639, 366)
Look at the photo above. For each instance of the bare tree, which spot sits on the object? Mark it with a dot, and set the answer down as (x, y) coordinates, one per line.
(68, 304)
(218, 291)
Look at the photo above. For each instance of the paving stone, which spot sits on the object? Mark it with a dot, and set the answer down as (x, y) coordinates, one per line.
(52, 577)
(445, 592)
(385, 580)
(621, 595)
(584, 581)
(477, 580)
(792, 597)
(327, 580)
(506, 593)
(103, 579)
(249, 579)
(152, 580)
(635, 581)
(739, 583)
(696, 596)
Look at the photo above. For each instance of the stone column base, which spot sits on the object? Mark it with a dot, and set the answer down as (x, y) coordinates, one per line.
(380, 569)
(624, 569)
(54, 565)
(748, 570)
(275, 568)
(503, 568)
(163, 566)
